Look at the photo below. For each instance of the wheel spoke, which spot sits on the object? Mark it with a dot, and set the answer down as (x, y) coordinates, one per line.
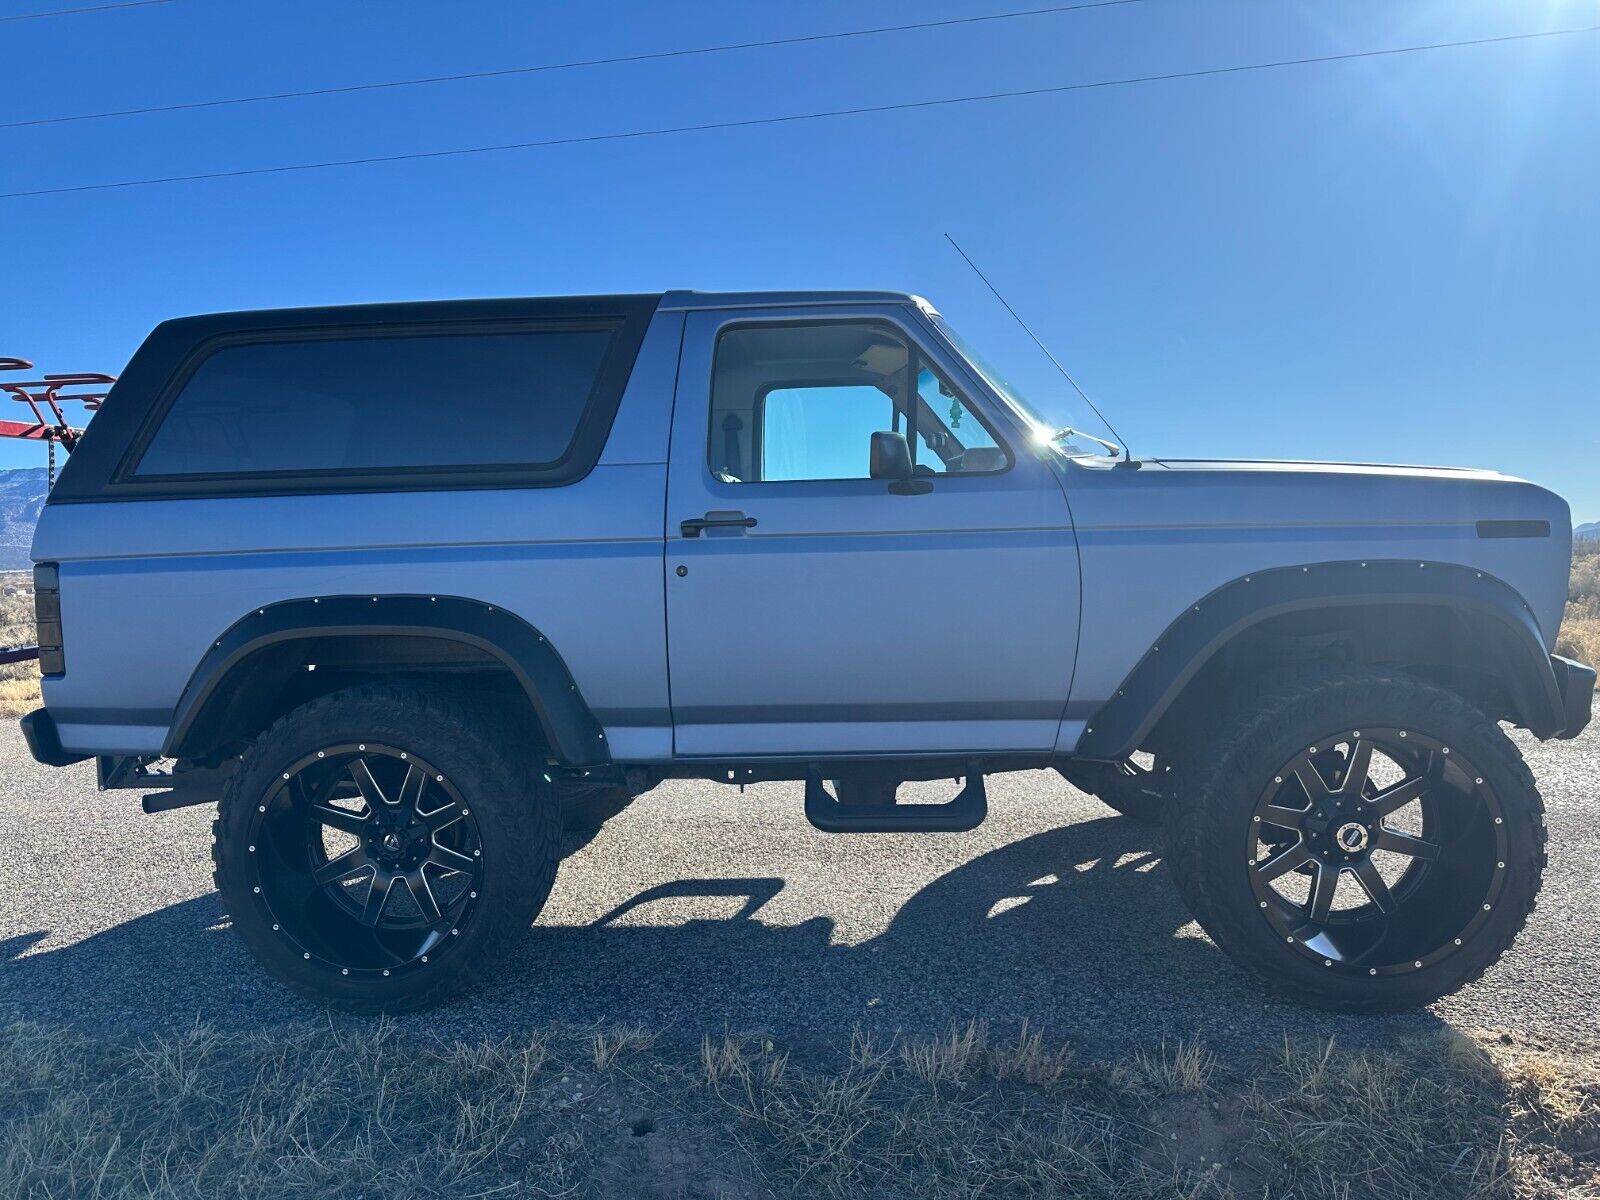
(1373, 884)
(1405, 843)
(1323, 889)
(377, 897)
(1282, 817)
(370, 790)
(450, 860)
(1283, 862)
(1316, 787)
(417, 884)
(1398, 796)
(1357, 767)
(340, 818)
(411, 788)
(351, 862)
(447, 814)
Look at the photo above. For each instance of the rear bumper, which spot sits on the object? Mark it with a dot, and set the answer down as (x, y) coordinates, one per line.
(1575, 682)
(39, 730)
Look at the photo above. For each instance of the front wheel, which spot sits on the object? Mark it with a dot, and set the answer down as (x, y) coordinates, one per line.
(376, 852)
(1366, 843)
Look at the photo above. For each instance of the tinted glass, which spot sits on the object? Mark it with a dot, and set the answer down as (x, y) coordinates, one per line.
(375, 403)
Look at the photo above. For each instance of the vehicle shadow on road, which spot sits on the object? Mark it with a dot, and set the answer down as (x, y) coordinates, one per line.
(1077, 929)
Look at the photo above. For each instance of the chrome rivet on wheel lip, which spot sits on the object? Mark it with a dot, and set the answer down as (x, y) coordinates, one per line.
(1478, 781)
(274, 929)
(344, 970)
(1372, 970)
(306, 955)
(360, 747)
(1275, 778)
(1500, 866)
(1257, 820)
(320, 754)
(252, 849)
(1327, 962)
(1445, 750)
(424, 958)
(472, 895)
(439, 778)
(1458, 941)
(1485, 908)
(256, 890)
(1263, 904)
(455, 933)
(477, 854)
(1289, 940)
(386, 972)
(403, 754)
(1499, 820)
(286, 774)
(261, 808)
(1418, 963)
(1402, 733)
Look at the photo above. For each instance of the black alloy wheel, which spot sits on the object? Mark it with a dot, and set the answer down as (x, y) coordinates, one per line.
(1377, 851)
(381, 847)
(1366, 842)
(368, 858)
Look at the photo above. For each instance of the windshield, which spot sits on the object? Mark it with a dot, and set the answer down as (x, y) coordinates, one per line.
(1045, 430)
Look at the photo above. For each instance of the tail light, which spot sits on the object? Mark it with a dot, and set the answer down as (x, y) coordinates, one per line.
(47, 618)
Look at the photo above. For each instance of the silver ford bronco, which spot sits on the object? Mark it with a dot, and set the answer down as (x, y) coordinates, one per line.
(409, 589)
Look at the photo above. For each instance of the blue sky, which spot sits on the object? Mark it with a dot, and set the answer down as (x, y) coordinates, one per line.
(1394, 259)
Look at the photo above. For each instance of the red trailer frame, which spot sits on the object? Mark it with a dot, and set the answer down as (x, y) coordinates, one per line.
(44, 398)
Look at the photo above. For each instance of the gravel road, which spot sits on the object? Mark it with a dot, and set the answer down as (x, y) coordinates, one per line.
(702, 908)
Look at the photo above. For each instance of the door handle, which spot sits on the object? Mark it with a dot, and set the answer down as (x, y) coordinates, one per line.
(716, 520)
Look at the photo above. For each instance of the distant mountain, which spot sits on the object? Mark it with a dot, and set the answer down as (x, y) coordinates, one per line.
(22, 493)
(1589, 529)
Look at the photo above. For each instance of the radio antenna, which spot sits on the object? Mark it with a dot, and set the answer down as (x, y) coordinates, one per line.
(1065, 374)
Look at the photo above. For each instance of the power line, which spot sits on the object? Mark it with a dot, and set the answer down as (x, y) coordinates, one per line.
(94, 8)
(795, 118)
(652, 56)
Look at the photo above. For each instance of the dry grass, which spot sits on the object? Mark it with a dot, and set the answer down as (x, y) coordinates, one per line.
(325, 1113)
(19, 682)
(1580, 627)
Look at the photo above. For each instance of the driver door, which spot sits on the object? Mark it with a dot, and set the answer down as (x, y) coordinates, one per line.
(815, 610)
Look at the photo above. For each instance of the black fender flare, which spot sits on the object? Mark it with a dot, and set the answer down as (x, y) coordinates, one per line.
(574, 735)
(1121, 724)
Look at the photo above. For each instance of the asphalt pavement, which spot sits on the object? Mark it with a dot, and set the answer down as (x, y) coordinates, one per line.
(702, 909)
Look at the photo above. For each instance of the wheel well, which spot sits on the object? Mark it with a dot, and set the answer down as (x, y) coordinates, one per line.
(278, 677)
(1457, 648)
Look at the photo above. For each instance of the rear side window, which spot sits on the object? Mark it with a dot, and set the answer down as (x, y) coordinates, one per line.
(350, 406)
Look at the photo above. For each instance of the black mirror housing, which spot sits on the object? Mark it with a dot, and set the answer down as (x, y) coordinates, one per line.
(891, 456)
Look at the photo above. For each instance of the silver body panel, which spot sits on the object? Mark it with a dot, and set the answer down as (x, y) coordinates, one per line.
(990, 615)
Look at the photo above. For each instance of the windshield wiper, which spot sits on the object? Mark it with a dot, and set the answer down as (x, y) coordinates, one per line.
(1067, 431)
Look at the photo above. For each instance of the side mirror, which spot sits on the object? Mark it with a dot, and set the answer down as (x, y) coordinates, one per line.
(891, 460)
(891, 457)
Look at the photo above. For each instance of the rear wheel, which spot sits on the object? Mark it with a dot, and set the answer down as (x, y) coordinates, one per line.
(377, 853)
(1372, 842)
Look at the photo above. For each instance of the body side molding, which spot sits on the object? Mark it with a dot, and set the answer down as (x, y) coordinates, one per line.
(573, 733)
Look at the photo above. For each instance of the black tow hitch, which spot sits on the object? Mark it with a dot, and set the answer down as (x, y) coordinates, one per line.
(181, 786)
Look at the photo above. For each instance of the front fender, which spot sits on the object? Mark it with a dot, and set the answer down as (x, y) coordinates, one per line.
(1510, 634)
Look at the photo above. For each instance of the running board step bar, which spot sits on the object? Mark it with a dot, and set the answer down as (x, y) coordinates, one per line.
(965, 812)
